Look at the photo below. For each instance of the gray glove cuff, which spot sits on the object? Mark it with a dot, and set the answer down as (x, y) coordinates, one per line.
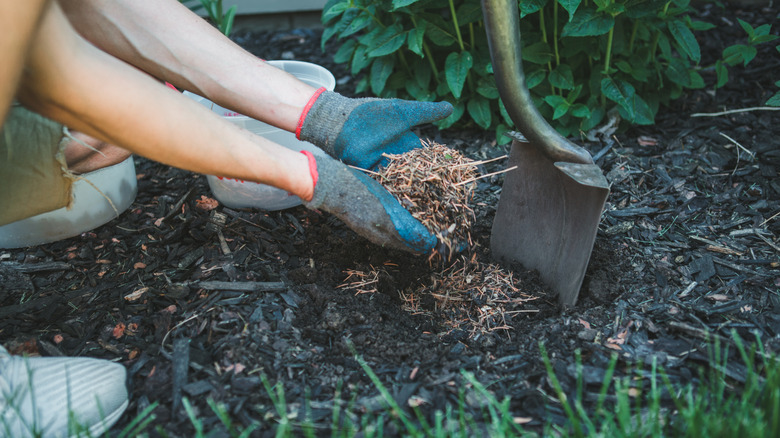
(326, 118)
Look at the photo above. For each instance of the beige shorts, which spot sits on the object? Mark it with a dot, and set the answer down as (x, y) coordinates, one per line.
(33, 174)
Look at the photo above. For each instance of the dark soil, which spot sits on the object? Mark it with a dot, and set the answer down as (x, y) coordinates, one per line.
(687, 250)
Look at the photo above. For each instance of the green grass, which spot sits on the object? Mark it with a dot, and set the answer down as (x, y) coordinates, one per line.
(641, 401)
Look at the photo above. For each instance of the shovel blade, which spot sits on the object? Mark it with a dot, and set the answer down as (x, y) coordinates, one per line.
(547, 218)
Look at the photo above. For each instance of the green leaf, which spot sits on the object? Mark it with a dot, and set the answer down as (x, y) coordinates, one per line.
(398, 4)
(643, 8)
(360, 22)
(381, 69)
(537, 53)
(387, 41)
(596, 116)
(572, 96)
(763, 39)
(334, 11)
(340, 26)
(685, 39)
(677, 72)
(619, 92)
(414, 40)
(535, 78)
(614, 9)
(774, 100)
(504, 114)
(360, 59)
(747, 28)
(762, 30)
(344, 53)
(588, 22)
(559, 105)
(643, 115)
(487, 87)
(437, 30)
(697, 82)
(580, 111)
(479, 110)
(457, 112)
(562, 77)
(665, 46)
(469, 12)
(624, 66)
(422, 76)
(701, 25)
(570, 6)
(502, 139)
(420, 90)
(722, 74)
(362, 85)
(737, 53)
(456, 70)
(227, 26)
(530, 6)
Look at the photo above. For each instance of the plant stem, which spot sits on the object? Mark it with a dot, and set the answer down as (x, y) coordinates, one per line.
(455, 23)
(429, 55)
(543, 28)
(608, 56)
(654, 46)
(555, 33)
(632, 40)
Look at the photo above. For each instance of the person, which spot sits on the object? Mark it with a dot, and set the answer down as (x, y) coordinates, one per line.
(97, 67)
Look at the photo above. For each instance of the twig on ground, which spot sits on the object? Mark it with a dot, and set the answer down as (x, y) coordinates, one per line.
(741, 110)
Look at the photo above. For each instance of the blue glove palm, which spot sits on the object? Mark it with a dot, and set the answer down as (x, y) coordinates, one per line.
(365, 206)
(359, 131)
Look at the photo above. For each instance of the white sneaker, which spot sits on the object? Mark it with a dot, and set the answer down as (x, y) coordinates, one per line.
(59, 396)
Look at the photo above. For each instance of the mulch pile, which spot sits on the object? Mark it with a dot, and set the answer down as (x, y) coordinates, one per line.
(215, 303)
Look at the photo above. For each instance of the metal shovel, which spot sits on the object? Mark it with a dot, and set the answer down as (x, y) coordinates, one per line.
(551, 205)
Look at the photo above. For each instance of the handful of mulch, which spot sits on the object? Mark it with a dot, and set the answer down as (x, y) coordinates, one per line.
(435, 184)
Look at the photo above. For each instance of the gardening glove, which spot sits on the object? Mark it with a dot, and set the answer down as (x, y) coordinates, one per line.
(359, 131)
(365, 206)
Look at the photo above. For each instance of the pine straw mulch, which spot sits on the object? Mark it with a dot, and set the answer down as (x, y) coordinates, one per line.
(436, 185)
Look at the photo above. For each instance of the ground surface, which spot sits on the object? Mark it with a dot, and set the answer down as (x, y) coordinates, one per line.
(688, 246)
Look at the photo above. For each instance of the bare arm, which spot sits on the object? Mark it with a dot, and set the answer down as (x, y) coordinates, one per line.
(69, 80)
(167, 40)
(18, 21)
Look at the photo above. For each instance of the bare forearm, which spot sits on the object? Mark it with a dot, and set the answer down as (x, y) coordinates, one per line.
(18, 21)
(72, 82)
(165, 39)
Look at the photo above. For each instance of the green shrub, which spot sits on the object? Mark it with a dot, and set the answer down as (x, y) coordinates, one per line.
(582, 58)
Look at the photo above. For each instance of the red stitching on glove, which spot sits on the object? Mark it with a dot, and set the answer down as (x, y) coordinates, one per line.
(315, 175)
(306, 109)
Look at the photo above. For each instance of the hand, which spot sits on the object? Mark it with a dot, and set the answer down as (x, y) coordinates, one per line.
(359, 131)
(365, 206)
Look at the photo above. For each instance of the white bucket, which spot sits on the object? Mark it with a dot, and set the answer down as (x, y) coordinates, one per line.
(245, 194)
(90, 208)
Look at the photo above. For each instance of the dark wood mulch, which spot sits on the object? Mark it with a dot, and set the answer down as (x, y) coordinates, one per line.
(206, 304)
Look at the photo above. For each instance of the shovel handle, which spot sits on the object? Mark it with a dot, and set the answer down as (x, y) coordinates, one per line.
(502, 24)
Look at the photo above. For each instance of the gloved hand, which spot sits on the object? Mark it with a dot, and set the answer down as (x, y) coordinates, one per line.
(365, 206)
(359, 131)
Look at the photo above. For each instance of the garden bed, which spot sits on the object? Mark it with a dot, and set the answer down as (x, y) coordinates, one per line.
(217, 303)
